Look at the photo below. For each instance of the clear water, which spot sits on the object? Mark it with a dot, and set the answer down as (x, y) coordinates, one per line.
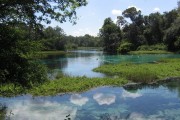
(82, 62)
(155, 102)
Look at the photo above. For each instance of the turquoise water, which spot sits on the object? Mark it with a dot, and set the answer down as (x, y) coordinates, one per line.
(155, 102)
(82, 62)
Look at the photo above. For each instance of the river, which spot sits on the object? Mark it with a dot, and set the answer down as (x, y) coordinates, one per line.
(148, 102)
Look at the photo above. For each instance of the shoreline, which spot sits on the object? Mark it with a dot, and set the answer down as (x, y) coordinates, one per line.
(125, 73)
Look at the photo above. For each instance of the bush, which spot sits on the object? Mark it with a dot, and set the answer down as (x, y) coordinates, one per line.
(152, 47)
(125, 47)
(17, 64)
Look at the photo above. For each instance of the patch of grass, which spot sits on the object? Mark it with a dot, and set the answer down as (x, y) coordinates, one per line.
(52, 52)
(125, 72)
(150, 52)
(74, 84)
(143, 73)
(62, 85)
(90, 48)
(10, 89)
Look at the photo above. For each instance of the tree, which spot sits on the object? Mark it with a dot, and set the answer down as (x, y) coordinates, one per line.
(53, 38)
(132, 13)
(26, 10)
(121, 21)
(111, 35)
(18, 45)
(134, 31)
(172, 36)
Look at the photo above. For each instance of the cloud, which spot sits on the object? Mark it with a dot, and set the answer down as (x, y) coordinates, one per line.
(116, 12)
(28, 110)
(104, 99)
(137, 8)
(78, 100)
(156, 9)
(126, 94)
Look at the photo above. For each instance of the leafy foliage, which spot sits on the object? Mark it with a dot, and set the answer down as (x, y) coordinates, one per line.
(125, 47)
(20, 31)
(150, 31)
(111, 35)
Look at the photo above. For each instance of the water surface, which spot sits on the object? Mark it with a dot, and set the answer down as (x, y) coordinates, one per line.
(155, 102)
(82, 62)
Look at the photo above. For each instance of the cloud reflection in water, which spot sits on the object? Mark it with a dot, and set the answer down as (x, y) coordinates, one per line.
(126, 94)
(26, 110)
(104, 99)
(78, 100)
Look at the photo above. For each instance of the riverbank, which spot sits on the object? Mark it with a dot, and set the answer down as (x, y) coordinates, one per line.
(121, 74)
(52, 52)
(149, 52)
(61, 86)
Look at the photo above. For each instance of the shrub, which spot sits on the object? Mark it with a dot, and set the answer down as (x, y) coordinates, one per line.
(152, 47)
(125, 47)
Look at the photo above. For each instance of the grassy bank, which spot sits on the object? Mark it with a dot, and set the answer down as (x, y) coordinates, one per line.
(90, 48)
(52, 52)
(62, 85)
(148, 72)
(124, 72)
(150, 52)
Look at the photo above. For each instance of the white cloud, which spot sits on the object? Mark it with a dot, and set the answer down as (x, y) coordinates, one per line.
(78, 100)
(126, 94)
(156, 9)
(116, 12)
(137, 8)
(28, 110)
(104, 99)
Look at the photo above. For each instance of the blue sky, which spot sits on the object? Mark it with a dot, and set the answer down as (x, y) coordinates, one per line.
(91, 17)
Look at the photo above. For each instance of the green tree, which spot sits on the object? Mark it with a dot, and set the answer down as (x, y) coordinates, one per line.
(18, 45)
(172, 36)
(53, 38)
(121, 21)
(134, 31)
(111, 35)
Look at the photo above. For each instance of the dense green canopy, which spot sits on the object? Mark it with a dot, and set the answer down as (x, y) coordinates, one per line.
(20, 33)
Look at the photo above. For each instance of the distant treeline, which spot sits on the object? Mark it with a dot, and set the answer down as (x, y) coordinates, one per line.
(134, 31)
(56, 39)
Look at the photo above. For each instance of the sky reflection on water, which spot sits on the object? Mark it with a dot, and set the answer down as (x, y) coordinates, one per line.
(82, 62)
(145, 103)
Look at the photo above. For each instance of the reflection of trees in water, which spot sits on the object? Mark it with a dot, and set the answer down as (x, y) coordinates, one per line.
(56, 61)
(121, 116)
(172, 84)
(3, 111)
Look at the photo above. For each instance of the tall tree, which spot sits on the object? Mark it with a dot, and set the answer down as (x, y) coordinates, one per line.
(133, 32)
(16, 51)
(111, 35)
